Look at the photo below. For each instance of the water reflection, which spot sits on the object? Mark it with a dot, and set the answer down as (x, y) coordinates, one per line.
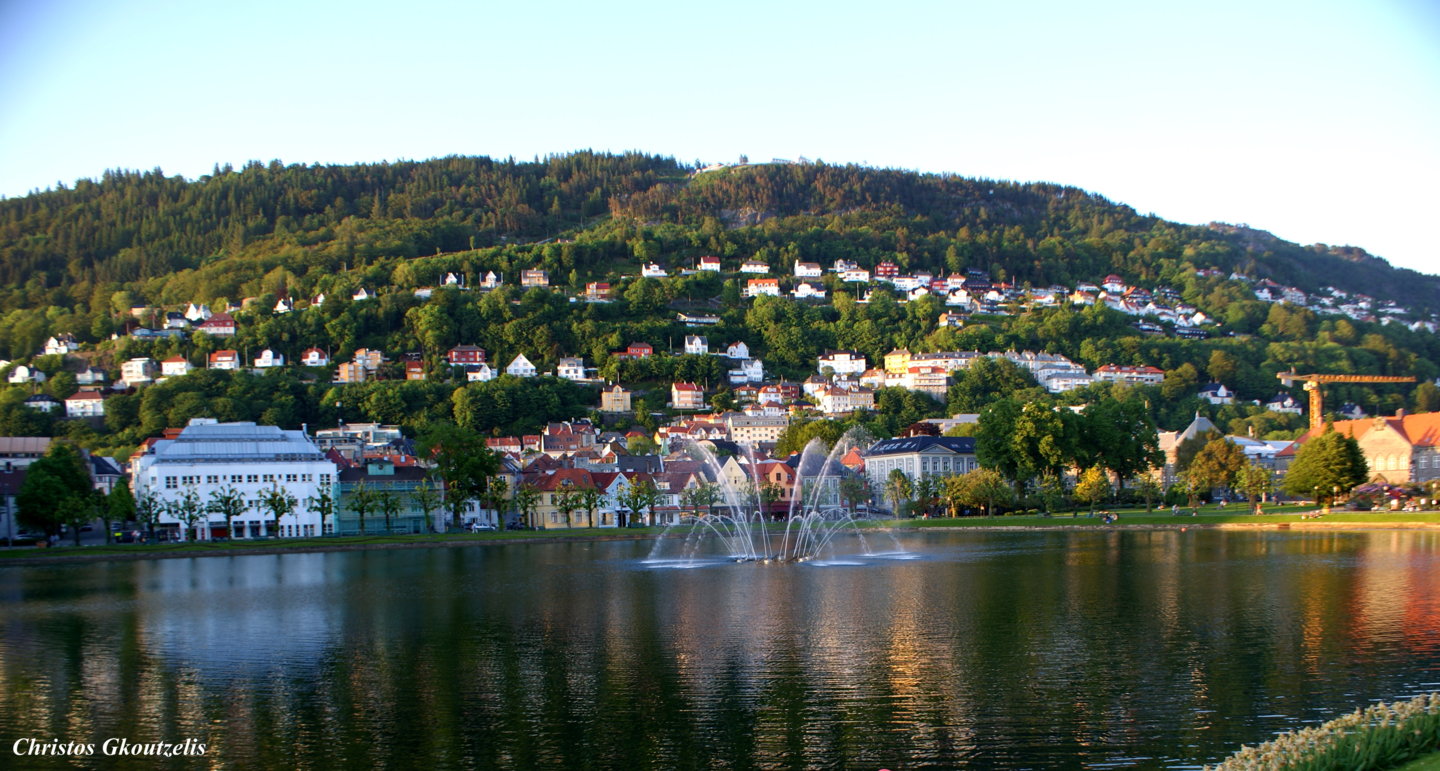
(996, 651)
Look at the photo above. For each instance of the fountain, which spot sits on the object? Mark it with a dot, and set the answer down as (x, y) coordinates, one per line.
(739, 522)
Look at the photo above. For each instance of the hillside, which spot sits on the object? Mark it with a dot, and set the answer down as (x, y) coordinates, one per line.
(104, 257)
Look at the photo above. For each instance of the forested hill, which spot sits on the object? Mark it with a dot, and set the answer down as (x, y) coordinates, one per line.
(168, 240)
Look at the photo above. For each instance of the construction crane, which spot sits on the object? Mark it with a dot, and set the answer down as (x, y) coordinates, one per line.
(1312, 384)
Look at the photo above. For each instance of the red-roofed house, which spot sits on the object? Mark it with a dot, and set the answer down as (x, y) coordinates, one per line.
(218, 325)
(687, 396)
(1118, 374)
(85, 404)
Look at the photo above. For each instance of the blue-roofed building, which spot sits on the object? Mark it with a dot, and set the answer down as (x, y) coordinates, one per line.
(917, 457)
(209, 457)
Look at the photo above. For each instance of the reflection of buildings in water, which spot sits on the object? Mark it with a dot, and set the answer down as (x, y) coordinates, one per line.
(241, 613)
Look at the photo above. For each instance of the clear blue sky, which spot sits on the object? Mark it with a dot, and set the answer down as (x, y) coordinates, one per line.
(1316, 120)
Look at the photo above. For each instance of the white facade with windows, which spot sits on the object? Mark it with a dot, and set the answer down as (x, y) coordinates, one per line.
(209, 457)
(917, 457)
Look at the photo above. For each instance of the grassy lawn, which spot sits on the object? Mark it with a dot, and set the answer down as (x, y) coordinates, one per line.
(1427, 763)
(1209, 515)
(212, 547)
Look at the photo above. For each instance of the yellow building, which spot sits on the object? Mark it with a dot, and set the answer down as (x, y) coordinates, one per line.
(897, 362)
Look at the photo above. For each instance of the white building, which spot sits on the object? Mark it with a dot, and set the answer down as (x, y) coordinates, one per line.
(754, 266)
(737, 351)
(571, 368)
(521, 367)
(808, 270)
(269, 358)
(85, 404)
(24, 374)
(175, 366)
(210, 457)
(842, 363)
(61, 345)
(138, 370)
(314, 357)
(749, 371)
(479, 373)
(653, 270)
(696, 345)
(1217, 393)
(808, 291)
(1115, 373)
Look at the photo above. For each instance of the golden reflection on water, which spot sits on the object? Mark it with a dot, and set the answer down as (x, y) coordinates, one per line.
(1001, 651)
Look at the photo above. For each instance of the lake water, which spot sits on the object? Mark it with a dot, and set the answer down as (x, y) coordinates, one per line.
(987, 650)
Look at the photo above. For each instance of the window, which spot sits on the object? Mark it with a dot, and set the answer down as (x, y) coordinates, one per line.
(307, 477)
(212, 479)
(292, 477)
(170, 483)
(237, 478)
(269, 478)
(252, 478)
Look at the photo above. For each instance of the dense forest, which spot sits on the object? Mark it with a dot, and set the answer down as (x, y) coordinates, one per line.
(79, 259)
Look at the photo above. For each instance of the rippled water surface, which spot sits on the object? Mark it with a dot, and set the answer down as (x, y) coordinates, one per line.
(981, 650)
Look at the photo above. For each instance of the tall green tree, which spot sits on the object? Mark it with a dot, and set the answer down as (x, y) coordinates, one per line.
(279, 502)
(229, 504)
(119, 506)
(462, 462)
(57, 491)
(897, 490)
(1215, 466)
(638, 497)
(1327, 467)
(1024, 441)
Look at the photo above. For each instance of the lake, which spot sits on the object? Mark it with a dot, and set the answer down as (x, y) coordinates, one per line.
(1038, 649)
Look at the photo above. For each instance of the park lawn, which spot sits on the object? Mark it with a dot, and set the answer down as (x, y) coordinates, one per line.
(1427, 763)
(330, 542)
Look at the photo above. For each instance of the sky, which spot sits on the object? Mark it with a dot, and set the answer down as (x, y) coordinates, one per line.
(1318, 121)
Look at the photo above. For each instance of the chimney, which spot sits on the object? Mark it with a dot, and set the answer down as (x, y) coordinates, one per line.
(1400, 413)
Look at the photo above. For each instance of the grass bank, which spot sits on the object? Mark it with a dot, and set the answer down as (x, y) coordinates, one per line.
(1289, 518)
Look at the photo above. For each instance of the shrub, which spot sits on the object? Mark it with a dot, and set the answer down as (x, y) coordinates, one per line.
(1378, 737)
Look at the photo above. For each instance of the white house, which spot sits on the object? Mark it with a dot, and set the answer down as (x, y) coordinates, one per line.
(225, 359)
(709, 263)
(284, 305)
(842, 363)
(61, 345)
(1217, 393)
(85, 404)
(737, 351)
(175, 366)
(860, 275)
(25, 374)
(210, 457)
(453, 279)
(749, 371)
(1284, 403)
(43, 402)
(314, 357)
(754, 266)
(520, 367)
(269, 358)
(808, 291)
(758, 286)
(696, 345)
(361, 294)
(197, 313)
(653, 270)
(138, 370)
(89, 376)
(836, 400)
(479, 373)
(808, 270)
(490, 281)
(571, 368)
